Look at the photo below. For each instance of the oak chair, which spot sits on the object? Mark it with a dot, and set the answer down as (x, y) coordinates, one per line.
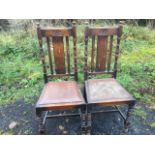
(57, 58)
(102, 45)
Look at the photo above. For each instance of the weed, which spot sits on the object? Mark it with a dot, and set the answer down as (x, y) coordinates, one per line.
(140, 113)
(21, 70)
(152, 125)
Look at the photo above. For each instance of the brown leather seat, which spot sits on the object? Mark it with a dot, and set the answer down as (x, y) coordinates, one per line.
(60, 95)
(106, 91)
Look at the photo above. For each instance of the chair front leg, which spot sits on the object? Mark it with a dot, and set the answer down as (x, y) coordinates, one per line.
(89, 122)
(41, 124)
(129, 113)
(88, 132)
(83, 123)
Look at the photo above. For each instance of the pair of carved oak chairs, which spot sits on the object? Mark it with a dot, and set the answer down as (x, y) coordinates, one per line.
(59, 60)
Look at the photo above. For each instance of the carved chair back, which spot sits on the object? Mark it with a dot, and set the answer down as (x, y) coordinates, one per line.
(56, 51)
(102, 47)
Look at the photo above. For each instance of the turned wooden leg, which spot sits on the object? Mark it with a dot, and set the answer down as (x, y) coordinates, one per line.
(41, 124)
(88, 132)
(129, 112)
(83, 124)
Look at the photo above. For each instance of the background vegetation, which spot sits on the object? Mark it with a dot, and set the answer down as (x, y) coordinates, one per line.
(21, 71)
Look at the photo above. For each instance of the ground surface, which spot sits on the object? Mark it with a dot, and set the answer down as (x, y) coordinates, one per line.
(21, 77)
(103, 124)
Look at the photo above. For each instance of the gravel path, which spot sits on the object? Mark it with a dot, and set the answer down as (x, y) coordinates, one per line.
(19, 118)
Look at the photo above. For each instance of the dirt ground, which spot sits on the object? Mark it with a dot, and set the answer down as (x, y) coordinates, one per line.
(102, 124)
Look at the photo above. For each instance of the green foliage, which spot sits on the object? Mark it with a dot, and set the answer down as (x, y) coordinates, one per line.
(152, 125)
(137, 73)
(140, 113)
(21, 70)
(139, 33)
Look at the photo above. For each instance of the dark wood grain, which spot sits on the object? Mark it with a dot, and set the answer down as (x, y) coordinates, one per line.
(104, 38)
(110, 53)
(86, 53)
(101, 53)
(58, 95)
(59, 51)
(49, 32)
(68, 54)
(49, 54)
(75, 52)
(59, 55)
(106, 91)
(92, 54)
(117, 50)
(106, 31)
(42, 54)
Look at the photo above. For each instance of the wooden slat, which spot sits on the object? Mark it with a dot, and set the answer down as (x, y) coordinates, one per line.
(104, 72)
(49, 54)
(101, 53)
(68, 54)
(116, 56)
(117, 50)
(110, 52)
(86, 58)
(75, 53)
(49, 32)
(106, 31)
(92, 54)
(86, 53)
(42, 54)
(60, 75)
(59, 55)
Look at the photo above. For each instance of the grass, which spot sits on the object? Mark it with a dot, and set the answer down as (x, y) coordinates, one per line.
(137, 71)
(21, 70)
(153, 125)
(140, 113)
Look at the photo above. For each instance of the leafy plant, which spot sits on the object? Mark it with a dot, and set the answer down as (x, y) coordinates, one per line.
(21, 70)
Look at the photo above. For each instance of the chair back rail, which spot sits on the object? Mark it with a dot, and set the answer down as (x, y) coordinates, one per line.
(101, 50)
(57, 59)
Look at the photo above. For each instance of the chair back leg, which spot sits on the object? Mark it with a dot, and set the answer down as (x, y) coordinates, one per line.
(129, 113)
(41, 123)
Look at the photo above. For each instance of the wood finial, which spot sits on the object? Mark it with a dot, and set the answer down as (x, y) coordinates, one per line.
(122, 22)
(87, 23)
(74, 23)
(38, 25)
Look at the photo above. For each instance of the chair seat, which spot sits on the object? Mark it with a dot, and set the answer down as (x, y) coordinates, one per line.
(60, 95)
(107, 92)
